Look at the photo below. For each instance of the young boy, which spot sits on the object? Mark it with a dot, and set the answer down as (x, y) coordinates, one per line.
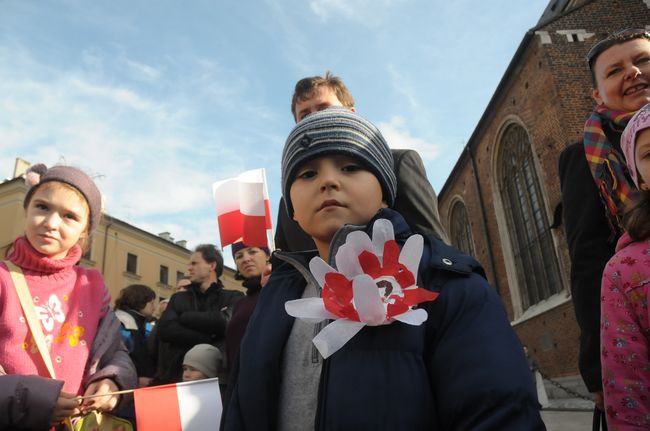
(463, 368)
(201, 362)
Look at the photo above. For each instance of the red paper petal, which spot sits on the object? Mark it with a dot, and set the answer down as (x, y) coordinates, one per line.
(370, 264)
(339, 284)
(340, 309)
(391, 254)
(418, 295)
(396, 309)
(404, 277)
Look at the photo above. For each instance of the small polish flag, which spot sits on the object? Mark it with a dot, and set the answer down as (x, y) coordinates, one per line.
(194, 406)
(243, 209)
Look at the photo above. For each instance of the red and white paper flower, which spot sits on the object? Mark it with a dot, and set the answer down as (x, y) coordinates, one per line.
(374, 285)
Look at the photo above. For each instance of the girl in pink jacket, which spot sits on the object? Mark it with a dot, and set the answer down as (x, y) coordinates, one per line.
(71, 305)
(625, 322)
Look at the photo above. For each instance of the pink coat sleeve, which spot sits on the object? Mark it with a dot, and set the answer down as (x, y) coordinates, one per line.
(624, 341)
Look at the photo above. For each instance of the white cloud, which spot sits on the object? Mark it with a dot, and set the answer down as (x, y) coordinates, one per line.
(366, 12)
(404, 87)
(142, 71)
(150, 158)
(398, 136)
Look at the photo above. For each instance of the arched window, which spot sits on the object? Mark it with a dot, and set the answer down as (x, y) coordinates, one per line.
(461, 231)
(538, 273)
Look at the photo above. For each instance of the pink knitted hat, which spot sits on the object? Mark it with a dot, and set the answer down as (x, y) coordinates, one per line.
(639, 122)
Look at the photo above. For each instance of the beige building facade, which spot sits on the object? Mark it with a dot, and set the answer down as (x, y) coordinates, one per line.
(123, 253)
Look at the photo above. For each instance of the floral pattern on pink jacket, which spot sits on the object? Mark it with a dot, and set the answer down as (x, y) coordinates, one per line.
(624, 335)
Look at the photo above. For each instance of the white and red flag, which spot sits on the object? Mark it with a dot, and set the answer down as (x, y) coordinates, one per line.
(243, 209)
(194, 406)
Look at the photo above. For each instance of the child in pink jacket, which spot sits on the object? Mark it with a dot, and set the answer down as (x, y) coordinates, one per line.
(71, 305)
(625, 323)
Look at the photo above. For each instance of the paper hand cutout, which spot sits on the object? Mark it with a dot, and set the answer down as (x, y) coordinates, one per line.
(375, 285)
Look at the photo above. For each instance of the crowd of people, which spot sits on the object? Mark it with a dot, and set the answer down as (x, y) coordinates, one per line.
(363, 317)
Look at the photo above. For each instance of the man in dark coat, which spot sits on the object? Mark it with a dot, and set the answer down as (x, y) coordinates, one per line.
(198, 315)
(416, 200)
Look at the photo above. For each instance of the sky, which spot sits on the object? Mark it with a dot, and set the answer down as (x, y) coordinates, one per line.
(159, 99)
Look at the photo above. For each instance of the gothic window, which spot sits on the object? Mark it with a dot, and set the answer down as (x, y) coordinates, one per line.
(536, 265)
(461, 231)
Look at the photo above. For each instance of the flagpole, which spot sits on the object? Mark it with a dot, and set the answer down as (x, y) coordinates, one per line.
(266, 196)
(128, 391)
(125, 391)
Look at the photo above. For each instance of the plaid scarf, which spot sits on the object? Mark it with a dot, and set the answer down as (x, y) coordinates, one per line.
(607, 164)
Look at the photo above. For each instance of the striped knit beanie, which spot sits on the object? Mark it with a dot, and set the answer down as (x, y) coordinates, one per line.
(338, 130)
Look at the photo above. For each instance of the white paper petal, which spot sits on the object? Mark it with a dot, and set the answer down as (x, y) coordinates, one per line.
(367, 300)
(347, 256)
(413, 317)
(334, 336)
(382, 231)
(347, 262)
(308, 309)
(412, 253)
(319, 268)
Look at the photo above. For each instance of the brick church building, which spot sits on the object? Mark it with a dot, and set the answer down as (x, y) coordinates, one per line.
(501, 201)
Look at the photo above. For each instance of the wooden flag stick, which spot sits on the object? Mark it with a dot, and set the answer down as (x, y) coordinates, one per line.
(126, 391)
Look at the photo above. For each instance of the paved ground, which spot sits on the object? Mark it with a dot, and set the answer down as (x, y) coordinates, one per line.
(559, 420)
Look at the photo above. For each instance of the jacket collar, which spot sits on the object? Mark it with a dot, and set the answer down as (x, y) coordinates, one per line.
(437, 255)
(214, 287)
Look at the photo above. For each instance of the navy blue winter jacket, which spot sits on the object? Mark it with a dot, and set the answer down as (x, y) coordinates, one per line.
(462, 369)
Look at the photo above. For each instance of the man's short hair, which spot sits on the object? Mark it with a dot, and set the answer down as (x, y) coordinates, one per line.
(211, 254)
(617, 38)
(306, 86)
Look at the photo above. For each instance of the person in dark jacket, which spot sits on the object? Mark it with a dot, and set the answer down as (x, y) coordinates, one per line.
(134, 307)
(453, 363)
(596, 185)
(198, 315)
(251, 263)
(415, 199)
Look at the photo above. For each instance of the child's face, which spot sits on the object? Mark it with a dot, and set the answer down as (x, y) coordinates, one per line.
(56, 217)
(331, 191)
(190, 374)
(642, 156)
(148, 308)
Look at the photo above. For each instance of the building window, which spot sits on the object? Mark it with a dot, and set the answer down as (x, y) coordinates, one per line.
(536, 265)
(179, 276)
(131, 263)
(461, 231)
(164, 275)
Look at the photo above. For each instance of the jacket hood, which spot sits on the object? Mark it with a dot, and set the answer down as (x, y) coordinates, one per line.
(437, 255)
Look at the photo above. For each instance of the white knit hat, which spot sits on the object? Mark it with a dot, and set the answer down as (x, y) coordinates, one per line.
(205, 358)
